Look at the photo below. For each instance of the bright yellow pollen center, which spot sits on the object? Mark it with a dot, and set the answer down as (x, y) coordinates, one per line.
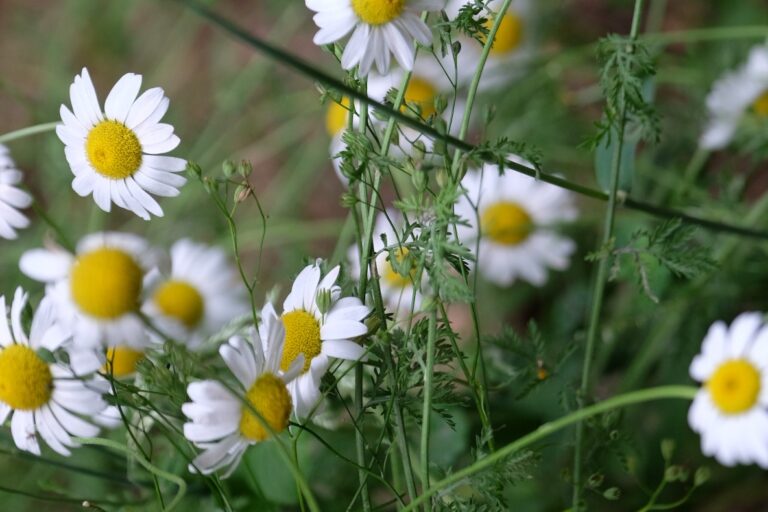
(181, 301)
(378, 12)
(421, 94)
(26, 382)
(106, 283)
(337, 117)
(392, 278)
(509, 36)
(735, 386)
(506, 223)
(122, 361)
(302, 336)
(114, 150)
(760, 105)
(270, 398)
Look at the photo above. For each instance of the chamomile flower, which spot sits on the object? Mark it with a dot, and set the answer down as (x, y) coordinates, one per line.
(115, 154)
(201, 294)
(400, 290)
(730, 410)
(379, 30)
(222, 423)
(428, 82)
(336, 123)
(12, 198)
(736, 93)
(97, 291)
(44, 398)
(512, 47)
(320, 324)
(516, 221)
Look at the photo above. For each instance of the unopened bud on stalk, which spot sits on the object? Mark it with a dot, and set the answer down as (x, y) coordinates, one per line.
(324, 301)
(228, 168)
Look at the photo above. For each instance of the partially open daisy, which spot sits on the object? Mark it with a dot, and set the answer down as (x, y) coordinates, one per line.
(97, 291)
(512, 46)
(516, 220)
(222, 423)
(730, 411)
(12, 198)
(114, 154)
(379, 29)
(400, 286)
(735, 94)
(320, 324)
(201, 294)
(42, 397)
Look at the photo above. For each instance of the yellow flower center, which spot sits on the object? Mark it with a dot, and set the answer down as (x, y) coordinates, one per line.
(392, 278)
(26, 382)
(760, 106)
(378, 12)
(421, 94)
(182, 301)
(302, 336)
(122, 361)
(114, 150)
(509, 36)
(735, 386)
(337, 117)
(106, 283)
(506, 223)
(270, 398)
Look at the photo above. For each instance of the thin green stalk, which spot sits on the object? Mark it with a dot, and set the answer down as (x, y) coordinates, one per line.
(426, 411)
(28, 131)
(547, 429)
(598, 290)
(314, 73)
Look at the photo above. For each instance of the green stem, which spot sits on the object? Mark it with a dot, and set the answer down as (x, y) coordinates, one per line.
(547, 429)
(310, 71)
(28, 131)
(426, 411)
(598, 290)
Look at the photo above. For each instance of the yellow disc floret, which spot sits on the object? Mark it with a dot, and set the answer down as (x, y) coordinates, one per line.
(735, 386)
(509, 36)
(106, 283)
(378, 12)
(337, 117)
(270, 398)
(114, 150)
(760, 106)
(26, 382)
(302, 336)
(421, 94)
(182, 301)
(122, 360)
(394, 279)
(506, 223)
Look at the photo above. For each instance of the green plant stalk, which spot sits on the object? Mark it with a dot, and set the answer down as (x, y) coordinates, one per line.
(598, 290)
(426, 410)
(28, 131)
(547, 429)
(312, 72)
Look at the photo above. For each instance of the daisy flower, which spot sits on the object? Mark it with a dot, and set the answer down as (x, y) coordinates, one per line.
(97, 291)
(512, 47)
(320, 324)
(729, 410)
(428, 81)
(221, 423)
(200, 296)
(398, 291)
(517, 219)
(733, 95)
(41, 397)
(336, 123)
(379, 30)
(12, 198)
(114, 154)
